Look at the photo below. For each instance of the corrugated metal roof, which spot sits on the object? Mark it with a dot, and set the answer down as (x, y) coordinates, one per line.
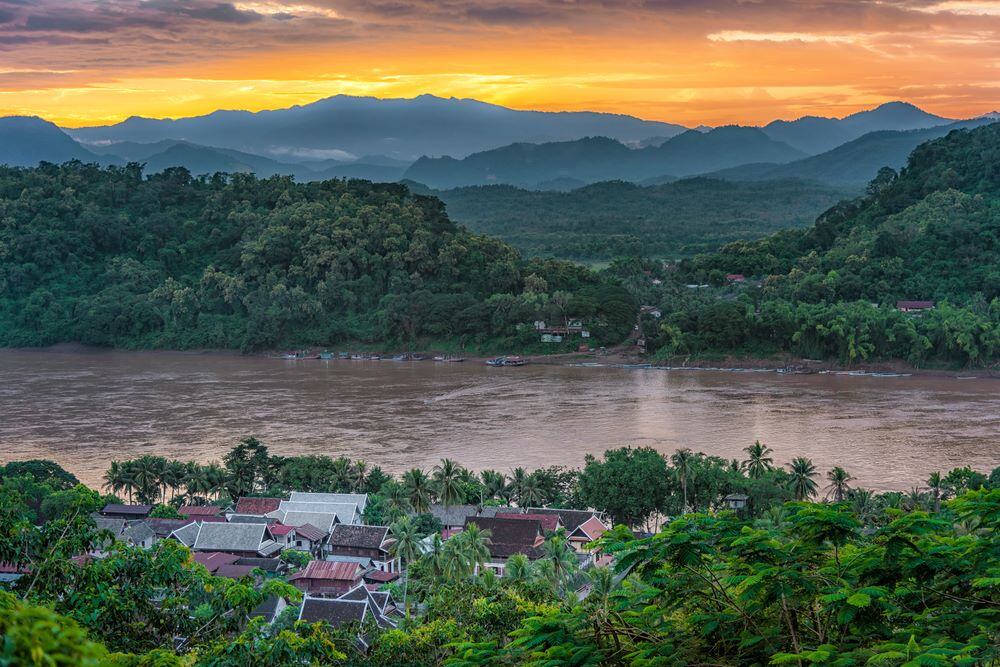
(329, 570)
(230, 537)
(359, 499)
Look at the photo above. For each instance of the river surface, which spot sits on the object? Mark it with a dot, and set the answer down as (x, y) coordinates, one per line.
(83, 408)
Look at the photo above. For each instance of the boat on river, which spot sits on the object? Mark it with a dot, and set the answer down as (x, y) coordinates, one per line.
(506, 361)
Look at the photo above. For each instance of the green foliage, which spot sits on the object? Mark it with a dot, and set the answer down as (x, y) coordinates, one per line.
(830, 291)
(615, 219)
(108, 257)
(35, 636)
(630, 484)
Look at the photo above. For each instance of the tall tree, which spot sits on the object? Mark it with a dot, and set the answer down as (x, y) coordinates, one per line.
(839, 480)
(758, 460)
(802, 480)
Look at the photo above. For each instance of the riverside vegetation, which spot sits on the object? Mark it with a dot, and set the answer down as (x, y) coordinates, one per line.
(109, 257)
(814, 571)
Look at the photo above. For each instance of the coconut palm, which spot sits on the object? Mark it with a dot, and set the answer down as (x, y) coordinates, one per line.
(146, 471)
(472, 545)
(447, 482)
(494, 484)
(938, 488)
(397, 499)
(863, 504)
(563, 562)
(357, 474)
(418, 488)
(518, 569)
(517, 477)
(801, 480)
(116, 478)
(839, 483)
(198, 483)
(218, 478)
(683, 460)
(407, 540)
(341, 474)
(175, 476)
(758, 460)
(435, 555)
(531, 491)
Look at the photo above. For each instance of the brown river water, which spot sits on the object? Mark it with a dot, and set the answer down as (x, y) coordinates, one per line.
(83, 408)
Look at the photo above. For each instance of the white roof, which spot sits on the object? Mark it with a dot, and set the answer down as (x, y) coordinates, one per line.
(186, 535)
(230, 537)
(322, 520)
(348, 513)
(359, 499)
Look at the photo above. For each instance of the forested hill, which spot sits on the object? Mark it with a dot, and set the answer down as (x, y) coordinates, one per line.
(110, 257)
(615, 219)
(930, 233)
(933, 231)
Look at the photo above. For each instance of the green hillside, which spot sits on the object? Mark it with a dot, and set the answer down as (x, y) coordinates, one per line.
(612, 219)
(930, 233)
(109, 257)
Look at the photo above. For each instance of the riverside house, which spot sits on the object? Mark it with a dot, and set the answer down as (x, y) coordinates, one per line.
(509, 537)
(329, 579)
(365, 541)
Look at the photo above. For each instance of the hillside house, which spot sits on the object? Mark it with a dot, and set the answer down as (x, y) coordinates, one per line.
(509, 537)
(365, 541)
(914, 306)
(325, 578)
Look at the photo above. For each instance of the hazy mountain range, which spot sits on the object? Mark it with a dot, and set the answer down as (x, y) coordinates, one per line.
(479, 144)
(345, 127)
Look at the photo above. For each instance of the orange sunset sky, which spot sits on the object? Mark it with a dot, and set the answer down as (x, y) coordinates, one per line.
(688, 61)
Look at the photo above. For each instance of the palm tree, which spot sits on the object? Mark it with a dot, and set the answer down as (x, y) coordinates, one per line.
(357, 473)
(471, 548)
(494, 484)
(531, 491)
(397, 499)
(758, 460)
(218, 478)
(939, 489)
(863, 504)
(198, 483)
(146, 472)
(682, 460)
(435, 555)
(802, 483)
(116, 478)
(517, 570)
(447, 482)
(341, 474)
(517, 477)
(563, 562)
(839, 483)
(407, 540)
(418, 487)
(175, 476)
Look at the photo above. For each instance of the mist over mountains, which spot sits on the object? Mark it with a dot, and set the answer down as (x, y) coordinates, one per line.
(448, 143)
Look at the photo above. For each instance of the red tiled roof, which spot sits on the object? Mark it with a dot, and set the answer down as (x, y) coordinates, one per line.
(592, 528)
(213, 560)
(379, 576)
(279, 529)
(259, 506)
(549, 521)
(233, 571)
(199, 510)
(310, 532)
(321, 569)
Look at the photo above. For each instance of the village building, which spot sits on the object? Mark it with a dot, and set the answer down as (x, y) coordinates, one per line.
(242, 539)
(509, 537)
(914, 306)
(257, 506)
(139, 534)
(320, 514)
(371, 542)
(270, 609)
(126, 511)
(549, 522)
(359, 499)
(453, 516)
(326, 578)
(199, 511)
